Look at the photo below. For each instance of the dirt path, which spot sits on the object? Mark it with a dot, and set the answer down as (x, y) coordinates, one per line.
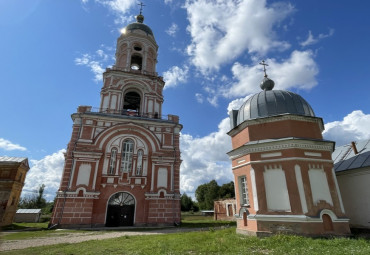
(80, 237)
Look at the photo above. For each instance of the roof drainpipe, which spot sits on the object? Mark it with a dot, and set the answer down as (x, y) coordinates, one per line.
(354, 148)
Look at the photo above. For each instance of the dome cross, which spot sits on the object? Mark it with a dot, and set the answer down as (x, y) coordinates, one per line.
(266, 84)
(141, 7)
(264, 66)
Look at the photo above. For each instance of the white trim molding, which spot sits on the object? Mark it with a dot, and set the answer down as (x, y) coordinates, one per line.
(302, 195)
(296, 218)
(271, 155)
(313, 154)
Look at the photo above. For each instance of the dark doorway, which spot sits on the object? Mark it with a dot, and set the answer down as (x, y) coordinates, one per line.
(328, 224)
(121, 210)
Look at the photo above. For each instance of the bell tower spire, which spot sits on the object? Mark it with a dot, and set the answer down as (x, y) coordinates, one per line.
(123, 161)
(134, 73)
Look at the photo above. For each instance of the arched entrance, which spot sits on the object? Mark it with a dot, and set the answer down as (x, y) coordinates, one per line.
(121, 209)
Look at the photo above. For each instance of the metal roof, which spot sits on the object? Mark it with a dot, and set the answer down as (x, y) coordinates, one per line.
(11, 159)
(271, 103)
(28, 211)
(345, 159)
(140, 26)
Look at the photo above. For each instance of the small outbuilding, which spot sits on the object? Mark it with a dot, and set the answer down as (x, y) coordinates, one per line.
(352, 168)
(13, 172)
(27, 215)
(225, 209)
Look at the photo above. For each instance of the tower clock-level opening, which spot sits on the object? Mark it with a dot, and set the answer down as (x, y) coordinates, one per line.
(131, 103)
(121, 210)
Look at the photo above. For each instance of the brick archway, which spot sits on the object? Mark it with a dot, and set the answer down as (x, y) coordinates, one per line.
(120, 210)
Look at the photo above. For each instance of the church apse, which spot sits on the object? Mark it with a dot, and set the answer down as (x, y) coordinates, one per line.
(283, 167)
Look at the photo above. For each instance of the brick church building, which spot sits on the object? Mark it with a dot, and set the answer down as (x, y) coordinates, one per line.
(122, 165)
(284, 177)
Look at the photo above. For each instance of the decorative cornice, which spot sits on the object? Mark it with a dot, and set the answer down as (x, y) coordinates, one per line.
(278, 145)
(90, 155)
(282, 160)
(156, 196)
(74, 194)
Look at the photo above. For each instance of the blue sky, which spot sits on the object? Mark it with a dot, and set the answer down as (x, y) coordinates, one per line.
(53, 53)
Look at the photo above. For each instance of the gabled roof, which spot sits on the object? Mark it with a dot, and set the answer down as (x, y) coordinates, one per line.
(345, 158)
(28, 211)
(5, 160)
(11, 159)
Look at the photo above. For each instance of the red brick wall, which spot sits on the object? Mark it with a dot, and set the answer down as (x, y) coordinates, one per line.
(76, 211)
(164, 211)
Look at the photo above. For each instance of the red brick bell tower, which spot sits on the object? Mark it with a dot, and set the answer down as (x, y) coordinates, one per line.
(122, 165)
(284, 178)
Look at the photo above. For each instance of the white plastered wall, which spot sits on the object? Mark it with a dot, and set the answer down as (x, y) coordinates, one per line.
(277, 196)
(319, 185)
(354, 186)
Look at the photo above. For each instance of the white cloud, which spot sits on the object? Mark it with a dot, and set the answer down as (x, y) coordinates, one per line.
(312, 40)
(167, 1)
(95, 66)
(175, 75)
(9, 146)
(96, 61)
(237, 103)
(353, 127)
(222, 30)
(199, 165)
(119, 6)
(299, 71)
(46, 171)
(172, 30)
(199, 98)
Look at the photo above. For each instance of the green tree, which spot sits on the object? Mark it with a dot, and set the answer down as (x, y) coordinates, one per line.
(227, 190)
(34, 201)
(200, 194)
(206, 194)
(187, 204)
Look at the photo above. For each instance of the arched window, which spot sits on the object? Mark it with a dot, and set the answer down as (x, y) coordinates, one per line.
(131, 103)
(127, 151)
(112, 163)
(139, 167)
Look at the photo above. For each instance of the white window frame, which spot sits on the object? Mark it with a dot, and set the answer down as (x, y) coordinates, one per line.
(127, 155)
(243, 191)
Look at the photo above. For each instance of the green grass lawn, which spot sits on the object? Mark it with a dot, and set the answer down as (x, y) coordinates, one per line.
(32, 230)
(224, 241)
(24, 226)
(196, 220)
(213, 240)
